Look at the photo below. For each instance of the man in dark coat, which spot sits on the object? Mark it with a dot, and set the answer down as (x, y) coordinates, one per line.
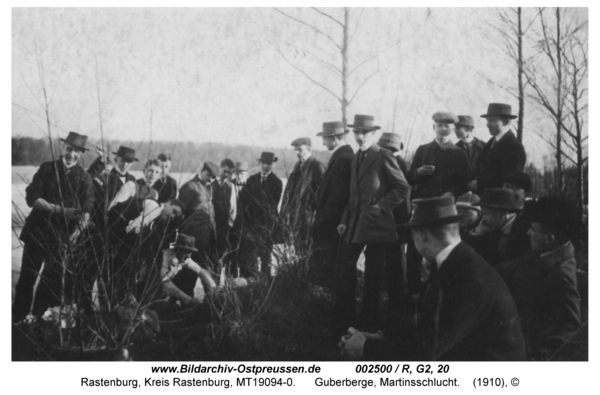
(467, 313)
(61, 196)
(224, 201)
(166, 186)
(439, 167)
(544, 283)
(260, 221)
(472, 146)
(333, 197)
(300, 196)
(503, 154)
(502, 233)
(377, 186)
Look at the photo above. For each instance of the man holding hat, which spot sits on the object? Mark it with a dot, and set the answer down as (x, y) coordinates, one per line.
(503, 154)
(61, 196)
(472, 146)
(333, 197)
(467, 313)
(544, 283)
(500, 236)
(377, 186)
(260, 221)
(300, 196)
(196, 196)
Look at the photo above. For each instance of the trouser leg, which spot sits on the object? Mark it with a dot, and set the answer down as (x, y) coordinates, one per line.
(375, 257)
(413, 268)
(394, 274)
(30, 268)
(50, 288)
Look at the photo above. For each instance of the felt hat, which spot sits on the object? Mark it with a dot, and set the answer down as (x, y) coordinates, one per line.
(186, 243)
(434, 212)
(332, 129)
(499, 110)
(390, 141)
(364, 123)
(469, 200)
(267, 157)
(501, 199)
(465, 120)
(77, 140)
(128, 154)
(241, 166)
(212, 168)
(444, 117)
(301, 141)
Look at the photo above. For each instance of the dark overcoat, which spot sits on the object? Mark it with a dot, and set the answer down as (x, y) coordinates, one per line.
(222, 202)
(53, 183)
(468, 314)
(199, 213)
(545, 291)
(378, 181)
(166, 188)
(259, 202)
(334, 193)
(506, 157)
(451, 172)
(473, 151)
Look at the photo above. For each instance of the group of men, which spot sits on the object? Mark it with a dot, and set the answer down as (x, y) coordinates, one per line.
(453, 236)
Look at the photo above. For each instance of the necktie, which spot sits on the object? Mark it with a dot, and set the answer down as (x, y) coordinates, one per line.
(361, 157)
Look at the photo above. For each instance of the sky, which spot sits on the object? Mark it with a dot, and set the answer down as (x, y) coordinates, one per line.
(226, 75)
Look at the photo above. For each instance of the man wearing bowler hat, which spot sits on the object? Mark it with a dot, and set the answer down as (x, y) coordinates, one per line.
(333, 197)
(472, 146)
(300, 196)
(260, 221)
(467, 313)
(503, 154)
(61, 196)
(377, 186)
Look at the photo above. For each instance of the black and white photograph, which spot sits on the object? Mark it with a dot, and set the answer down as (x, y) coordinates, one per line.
(221, 184)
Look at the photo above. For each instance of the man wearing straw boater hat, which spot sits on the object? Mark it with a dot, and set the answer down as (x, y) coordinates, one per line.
(503, 154)
(377, 186)
(467, 313)
(300, 196)
(61, 196)
(258, 204)
(333, 197)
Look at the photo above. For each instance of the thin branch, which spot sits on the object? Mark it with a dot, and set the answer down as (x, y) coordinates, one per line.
(328, 16)
(311, 27)
(373, 57)
(357, 23)
(363, 83)
(324, 63)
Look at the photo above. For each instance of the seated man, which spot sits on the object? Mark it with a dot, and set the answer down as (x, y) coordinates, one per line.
(544, 283)
(467, 313)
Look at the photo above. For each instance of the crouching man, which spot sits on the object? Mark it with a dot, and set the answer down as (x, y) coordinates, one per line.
(467, 313)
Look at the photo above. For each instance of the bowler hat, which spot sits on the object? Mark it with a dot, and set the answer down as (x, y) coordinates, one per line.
(332, 129)
(434, 212)
(469, 200)
(77, 140)
(390, 141)
(267, 157)
(128, 154)
(465, 120)
(212, 168)
(364, 123)
(501, 199)
(499, 110)
(301, 141)
(444, 117)
(242, 166)
(186, 243)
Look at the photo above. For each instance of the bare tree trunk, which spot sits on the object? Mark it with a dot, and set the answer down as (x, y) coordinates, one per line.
(559, 170)
(520, 78)
(344, 101)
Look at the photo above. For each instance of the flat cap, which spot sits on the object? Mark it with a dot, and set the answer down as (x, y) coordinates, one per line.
(469, 200)
(301, 141)
(211, 168)
(391, 141)
(501, 199)
(444, 117)
(465, 120)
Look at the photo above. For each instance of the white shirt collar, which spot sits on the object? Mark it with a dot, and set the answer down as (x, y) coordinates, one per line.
(265, 175)
(68, 166)
(508, 226)
(443, 143)
(441, 257)
(365, 147)
(337, 147)
(500, 135)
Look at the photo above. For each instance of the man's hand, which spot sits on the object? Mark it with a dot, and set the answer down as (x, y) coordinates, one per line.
(73, 237)
(352, 344)
(426, 170)
(375, 210)
(341, 229)
(100, 152)
(194, 302)
(472, 186)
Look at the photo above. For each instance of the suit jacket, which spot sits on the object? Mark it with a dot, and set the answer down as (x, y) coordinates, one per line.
(468, 314)
(50, 182)
(222, 192)
(473, 152)
(334, 193)
(258, 203)
(545, 291)
(403, 211)
(106, 187)
(378, 181)
(199, 211)
(451, 172)
(166, 188)
(301, 192)
(506, 157)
